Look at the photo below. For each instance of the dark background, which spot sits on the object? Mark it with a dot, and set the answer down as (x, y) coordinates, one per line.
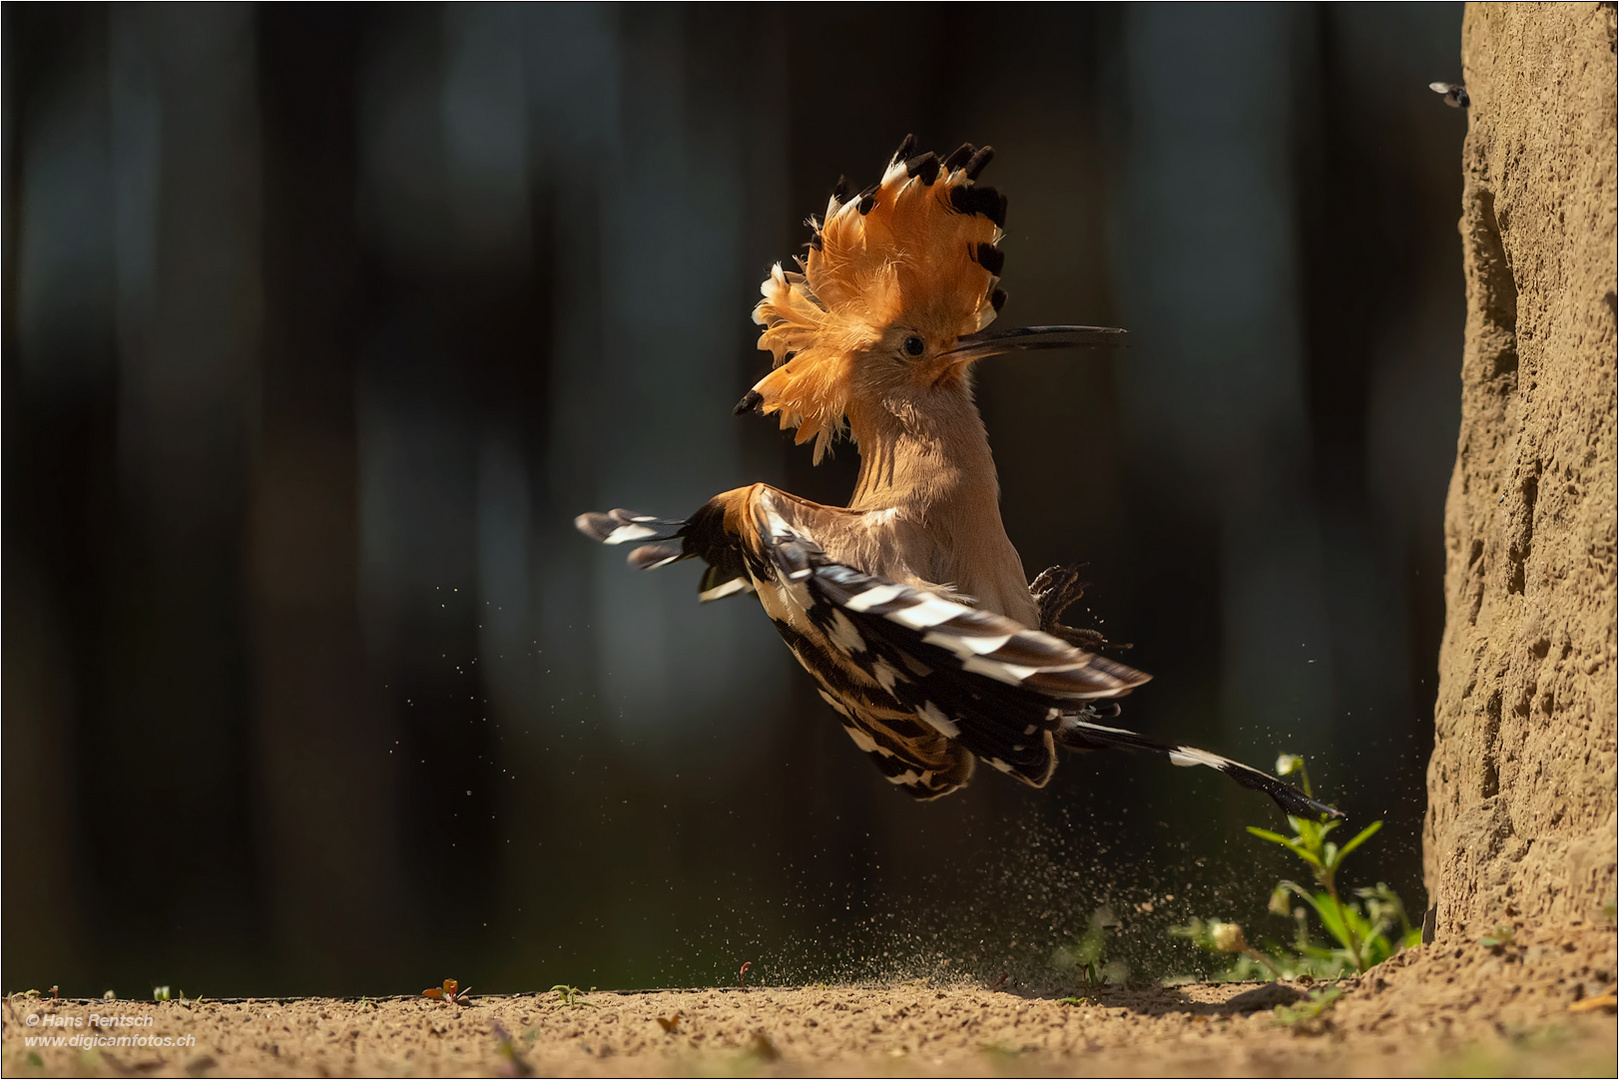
(321, 323)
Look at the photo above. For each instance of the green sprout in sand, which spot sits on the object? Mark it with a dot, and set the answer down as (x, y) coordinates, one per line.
(1366, 929)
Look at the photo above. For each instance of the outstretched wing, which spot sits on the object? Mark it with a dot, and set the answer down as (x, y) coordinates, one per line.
(912, 754)
(924, 683)
(909, 752)
(663, 541)
(948, 671)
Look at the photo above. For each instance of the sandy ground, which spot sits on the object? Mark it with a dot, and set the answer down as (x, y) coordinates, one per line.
(1534, 1007)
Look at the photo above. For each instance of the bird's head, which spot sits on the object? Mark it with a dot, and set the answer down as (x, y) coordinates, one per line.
(891, 302)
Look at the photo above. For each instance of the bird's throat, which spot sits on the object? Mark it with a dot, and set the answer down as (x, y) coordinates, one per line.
(924, 460)
(934, 468)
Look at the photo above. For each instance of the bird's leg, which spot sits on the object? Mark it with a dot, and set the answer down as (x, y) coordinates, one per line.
(1054, 591)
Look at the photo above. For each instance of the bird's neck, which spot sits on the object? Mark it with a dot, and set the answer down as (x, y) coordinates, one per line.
(933, 465)
(931, 462)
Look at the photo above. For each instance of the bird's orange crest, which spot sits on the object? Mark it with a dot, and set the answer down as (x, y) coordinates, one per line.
(919, 245)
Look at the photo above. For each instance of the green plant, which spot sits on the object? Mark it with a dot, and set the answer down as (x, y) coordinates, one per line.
(1309, 1015)
(571, 996)
(1086, 953)
(1365, 929)
(1227, 937)
(1367, 933)
(515, 1063)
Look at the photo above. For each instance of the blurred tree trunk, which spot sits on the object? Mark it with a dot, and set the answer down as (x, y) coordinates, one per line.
(1521, 785)
(326, 807)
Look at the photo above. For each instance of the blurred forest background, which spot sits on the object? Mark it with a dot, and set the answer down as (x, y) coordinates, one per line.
(322, 322)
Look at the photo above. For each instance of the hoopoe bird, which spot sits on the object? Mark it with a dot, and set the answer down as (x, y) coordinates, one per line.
(909, 606)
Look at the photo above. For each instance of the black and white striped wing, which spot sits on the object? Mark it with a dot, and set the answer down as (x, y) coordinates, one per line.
(1004, 692)
(662, 541)
(924, 684)
(924, 667)
(912, 754)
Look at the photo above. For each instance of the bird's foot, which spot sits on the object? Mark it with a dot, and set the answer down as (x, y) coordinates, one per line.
(1055, 590)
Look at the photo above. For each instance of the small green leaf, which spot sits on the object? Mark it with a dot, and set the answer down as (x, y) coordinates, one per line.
(1359, 839)
(1310, 857)
(1328, 914)
(1275, 838)
(1296, 889)
(1310, 1009)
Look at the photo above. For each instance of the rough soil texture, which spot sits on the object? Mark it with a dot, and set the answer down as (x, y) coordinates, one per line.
(1521, 787)
(1540, 1006)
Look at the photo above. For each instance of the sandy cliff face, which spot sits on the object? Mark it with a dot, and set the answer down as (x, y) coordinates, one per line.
(1521, 786)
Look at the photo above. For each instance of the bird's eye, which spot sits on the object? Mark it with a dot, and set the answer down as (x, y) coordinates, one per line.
(914, 346)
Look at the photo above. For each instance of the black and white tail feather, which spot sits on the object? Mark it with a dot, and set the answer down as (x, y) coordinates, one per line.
(923, 682)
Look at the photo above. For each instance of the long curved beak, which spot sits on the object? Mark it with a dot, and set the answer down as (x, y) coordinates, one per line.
(1025, 338)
